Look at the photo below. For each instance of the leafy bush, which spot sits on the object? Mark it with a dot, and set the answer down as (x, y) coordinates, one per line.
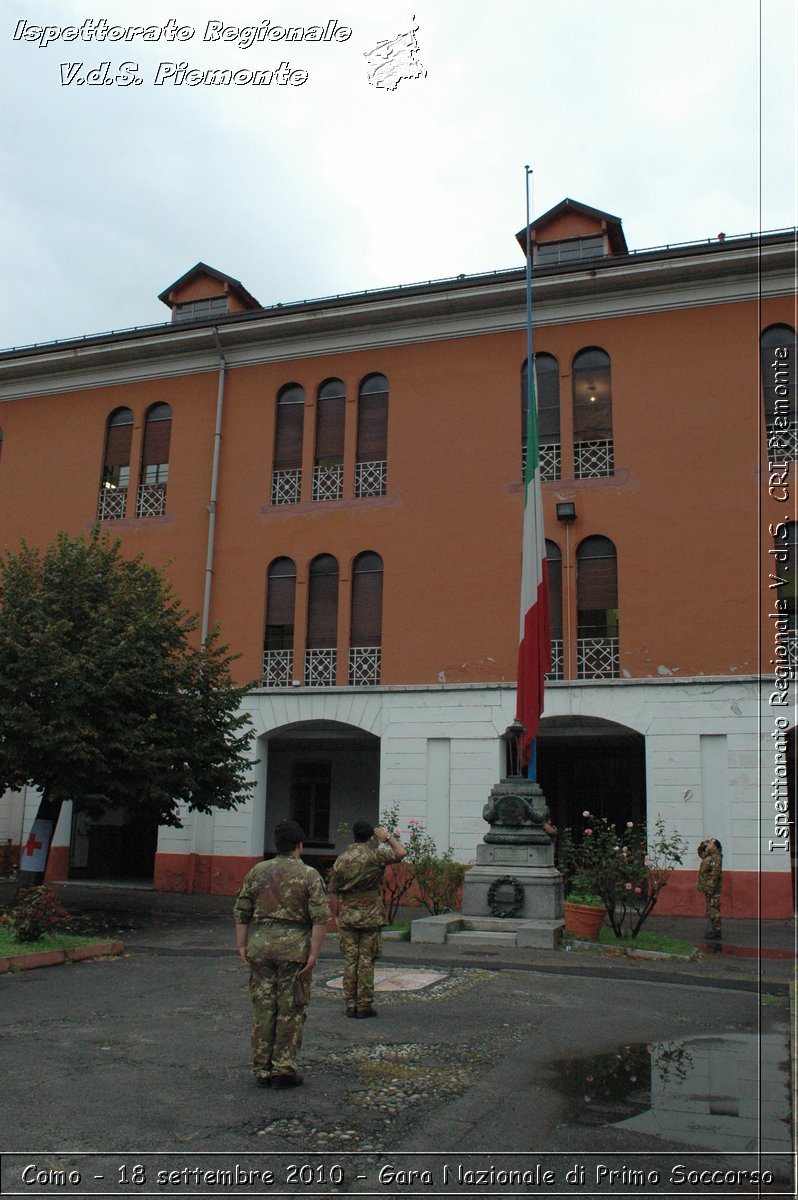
(435, 877)
(37, 912)
(627, 870)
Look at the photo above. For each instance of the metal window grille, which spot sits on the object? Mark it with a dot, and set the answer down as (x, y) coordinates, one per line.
(592, 460)
(320, 668)
(328, 482)
(370, 479)
(286, 486)
(111, 504)
(550, 461)
(597, 658)
(792, 653)
(151, 500)
(557, 660)
(278, 668)
(364, 666)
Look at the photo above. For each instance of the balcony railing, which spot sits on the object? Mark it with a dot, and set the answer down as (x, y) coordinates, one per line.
(594, 460)
(550, 462)
(557, 660)
(371, 479)
(112, 503)
(328, 482)
(364, 666)
(287, 486)
(278, 668)
(151, 500)
(320, 668)
(597, 658)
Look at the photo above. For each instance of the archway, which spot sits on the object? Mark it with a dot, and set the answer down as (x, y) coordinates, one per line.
(588, 763)
(324, 774)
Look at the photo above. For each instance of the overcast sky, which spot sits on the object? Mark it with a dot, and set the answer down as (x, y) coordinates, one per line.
(657, 112)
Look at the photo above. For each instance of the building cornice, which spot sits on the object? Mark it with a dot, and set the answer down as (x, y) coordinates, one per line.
(632, 285)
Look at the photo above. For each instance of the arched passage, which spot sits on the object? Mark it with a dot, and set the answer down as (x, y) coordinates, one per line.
(324, 774)
(588, 763)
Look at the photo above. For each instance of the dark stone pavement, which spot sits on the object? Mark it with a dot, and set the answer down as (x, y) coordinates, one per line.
(506, 1060)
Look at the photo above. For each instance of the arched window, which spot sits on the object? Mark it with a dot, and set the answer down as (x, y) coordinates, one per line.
(597, 609)
(554, 568)
(154, 475)
(278, 647)
(547, 390)
(777, 357)
(365, 628)
(116, 465)
(288, 432)
(322, 632)
(371, 466)
(594, 453)
(328, 472)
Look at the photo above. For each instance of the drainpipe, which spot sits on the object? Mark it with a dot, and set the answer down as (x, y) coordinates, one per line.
(217, 443)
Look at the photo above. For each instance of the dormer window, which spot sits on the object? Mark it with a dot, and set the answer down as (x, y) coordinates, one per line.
(190, 310)
(570, 250)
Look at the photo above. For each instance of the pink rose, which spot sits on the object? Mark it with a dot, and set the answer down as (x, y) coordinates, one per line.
(585, 813)
(588, 832)
(638, 890)
(397, 832)
(628, 887)
(630, 824)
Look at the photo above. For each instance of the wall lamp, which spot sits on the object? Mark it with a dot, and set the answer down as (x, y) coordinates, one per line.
(566, 511)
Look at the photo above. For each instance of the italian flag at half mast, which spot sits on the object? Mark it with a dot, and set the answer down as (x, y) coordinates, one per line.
(534, 650)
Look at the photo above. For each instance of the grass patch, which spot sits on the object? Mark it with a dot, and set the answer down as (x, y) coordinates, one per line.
(9, 946)
(397, 927)
(646, 940)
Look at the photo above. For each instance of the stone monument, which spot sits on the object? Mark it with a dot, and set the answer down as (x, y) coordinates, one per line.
(514, 888)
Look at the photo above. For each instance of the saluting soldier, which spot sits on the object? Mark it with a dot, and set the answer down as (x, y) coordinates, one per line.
(710, 880)
(281, 913)
(355, 886)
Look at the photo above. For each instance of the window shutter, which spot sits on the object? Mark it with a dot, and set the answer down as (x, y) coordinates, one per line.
(280, 605)
(554, 567)
(157, 435)
(119, 439)
(289, 429)
(372, 420)
(597, 584)
(366, 618)
(330, 412)
(323, 604)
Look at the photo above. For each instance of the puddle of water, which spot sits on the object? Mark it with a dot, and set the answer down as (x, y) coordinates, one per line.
(729, 1092)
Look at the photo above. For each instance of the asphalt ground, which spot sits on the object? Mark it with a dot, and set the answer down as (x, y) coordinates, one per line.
(615, 1076)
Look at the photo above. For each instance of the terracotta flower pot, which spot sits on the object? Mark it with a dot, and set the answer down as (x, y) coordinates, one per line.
(583, 920)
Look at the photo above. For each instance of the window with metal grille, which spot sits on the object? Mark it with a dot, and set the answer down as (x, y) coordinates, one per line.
(592, 401)
(116, 465)
(322, 627)
(278, 645)
(365, 629)
(154, 474)
(328, 475)
(554, 569)
(779, 390)
(547, 393)
(597, 608)
(288, 436)
(371, 460)
(213, 306)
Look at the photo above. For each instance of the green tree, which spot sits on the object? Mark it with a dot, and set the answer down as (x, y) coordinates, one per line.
(105, 697)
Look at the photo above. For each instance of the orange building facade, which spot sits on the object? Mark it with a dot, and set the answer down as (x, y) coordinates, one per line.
(338, 485)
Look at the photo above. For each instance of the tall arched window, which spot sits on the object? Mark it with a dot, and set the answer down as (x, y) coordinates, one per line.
(116, 465)
(594, 453)
(278, 646)
(328, 472)
(597, 654)
(371, 465)
(322, 632)
(777, 355)
(288, 432)
(154, 475)
(547, 390)
(365, 628)
(554, 567)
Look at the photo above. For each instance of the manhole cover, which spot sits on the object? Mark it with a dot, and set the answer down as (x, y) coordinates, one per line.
(402, 979)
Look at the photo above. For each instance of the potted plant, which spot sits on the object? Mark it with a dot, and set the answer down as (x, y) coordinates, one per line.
(583, 910)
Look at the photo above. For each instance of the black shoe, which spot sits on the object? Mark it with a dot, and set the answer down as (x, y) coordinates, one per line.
(286, 1081)
(367, 1012)
(263, 1080)
(351, 1012)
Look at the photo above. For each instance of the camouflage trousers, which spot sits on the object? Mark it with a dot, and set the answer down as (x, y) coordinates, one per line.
(278, 1020)
(359, 947)
(713, 912)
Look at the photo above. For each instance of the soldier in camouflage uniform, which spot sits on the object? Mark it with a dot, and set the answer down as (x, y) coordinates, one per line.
(281, 913)
(355, 886)
(710, 879)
